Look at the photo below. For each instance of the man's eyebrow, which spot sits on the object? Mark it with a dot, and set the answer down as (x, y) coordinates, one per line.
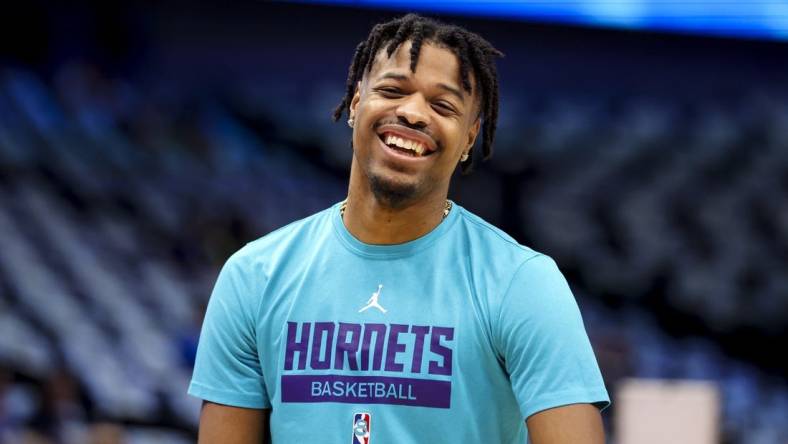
(402, 77)
(452, 90)
(394, 76)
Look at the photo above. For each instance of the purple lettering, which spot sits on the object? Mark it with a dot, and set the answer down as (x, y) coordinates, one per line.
(418, 346)
(436, 368)
(347, 347)
(322, 360)
(377, 358)
(394, 347)
(294, 346)
(327, 344)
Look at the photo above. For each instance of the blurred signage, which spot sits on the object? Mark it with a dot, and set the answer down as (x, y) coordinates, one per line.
(652, 411)
(766, 19)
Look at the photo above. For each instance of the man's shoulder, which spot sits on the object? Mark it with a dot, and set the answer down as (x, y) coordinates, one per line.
(297, 234)
(492, 243)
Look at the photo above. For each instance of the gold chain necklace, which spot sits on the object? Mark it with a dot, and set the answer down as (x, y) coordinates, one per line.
(446, 209)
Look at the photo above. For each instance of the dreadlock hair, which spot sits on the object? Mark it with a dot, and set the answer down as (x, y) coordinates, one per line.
(473, 52)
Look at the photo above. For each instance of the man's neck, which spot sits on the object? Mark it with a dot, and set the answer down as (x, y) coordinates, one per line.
(372, 223)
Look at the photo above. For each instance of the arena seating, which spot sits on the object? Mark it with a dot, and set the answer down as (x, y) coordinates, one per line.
(118, 203)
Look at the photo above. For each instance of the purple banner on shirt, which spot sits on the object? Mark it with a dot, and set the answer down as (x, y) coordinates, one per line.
(366, 390)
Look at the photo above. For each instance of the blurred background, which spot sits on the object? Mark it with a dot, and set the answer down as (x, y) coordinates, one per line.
(642, 144)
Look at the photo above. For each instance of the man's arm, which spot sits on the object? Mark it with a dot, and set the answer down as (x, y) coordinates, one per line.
(232, 425)
(570, 424)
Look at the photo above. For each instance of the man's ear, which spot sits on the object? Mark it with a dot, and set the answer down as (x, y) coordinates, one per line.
(355, 99)
(473, 131)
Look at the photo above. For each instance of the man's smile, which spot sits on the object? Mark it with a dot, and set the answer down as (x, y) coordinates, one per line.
(407, 140)
(399, 154)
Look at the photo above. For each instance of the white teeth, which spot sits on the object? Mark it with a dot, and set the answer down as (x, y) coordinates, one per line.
(411, 145)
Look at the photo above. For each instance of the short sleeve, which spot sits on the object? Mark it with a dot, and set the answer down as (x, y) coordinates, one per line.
(544, 344)
(227, 368)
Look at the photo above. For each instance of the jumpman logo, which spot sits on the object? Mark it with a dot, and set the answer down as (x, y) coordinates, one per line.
(373, 301)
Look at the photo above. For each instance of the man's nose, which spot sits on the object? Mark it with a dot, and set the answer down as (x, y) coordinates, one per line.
(414, 111)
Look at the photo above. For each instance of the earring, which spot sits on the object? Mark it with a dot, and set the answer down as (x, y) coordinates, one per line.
(464, 157)
(350, 122)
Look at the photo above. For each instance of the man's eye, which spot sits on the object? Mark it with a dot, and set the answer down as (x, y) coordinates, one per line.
(444, 106)
(390, 91)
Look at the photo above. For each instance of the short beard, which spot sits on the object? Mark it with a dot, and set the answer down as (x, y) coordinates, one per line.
(390, 194)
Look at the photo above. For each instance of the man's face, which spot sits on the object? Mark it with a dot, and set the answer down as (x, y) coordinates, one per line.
(426, 111)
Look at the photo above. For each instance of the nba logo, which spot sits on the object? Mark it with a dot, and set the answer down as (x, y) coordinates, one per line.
(361, 428)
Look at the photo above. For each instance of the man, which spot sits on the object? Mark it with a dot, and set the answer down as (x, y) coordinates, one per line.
(397, 316)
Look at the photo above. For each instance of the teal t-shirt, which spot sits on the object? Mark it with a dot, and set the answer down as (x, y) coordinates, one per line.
(457, 336)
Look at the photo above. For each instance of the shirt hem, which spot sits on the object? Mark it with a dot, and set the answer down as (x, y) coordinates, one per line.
(599, 398)
(225, 397)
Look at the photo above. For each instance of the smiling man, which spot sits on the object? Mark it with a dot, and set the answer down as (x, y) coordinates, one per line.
(397, 316)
